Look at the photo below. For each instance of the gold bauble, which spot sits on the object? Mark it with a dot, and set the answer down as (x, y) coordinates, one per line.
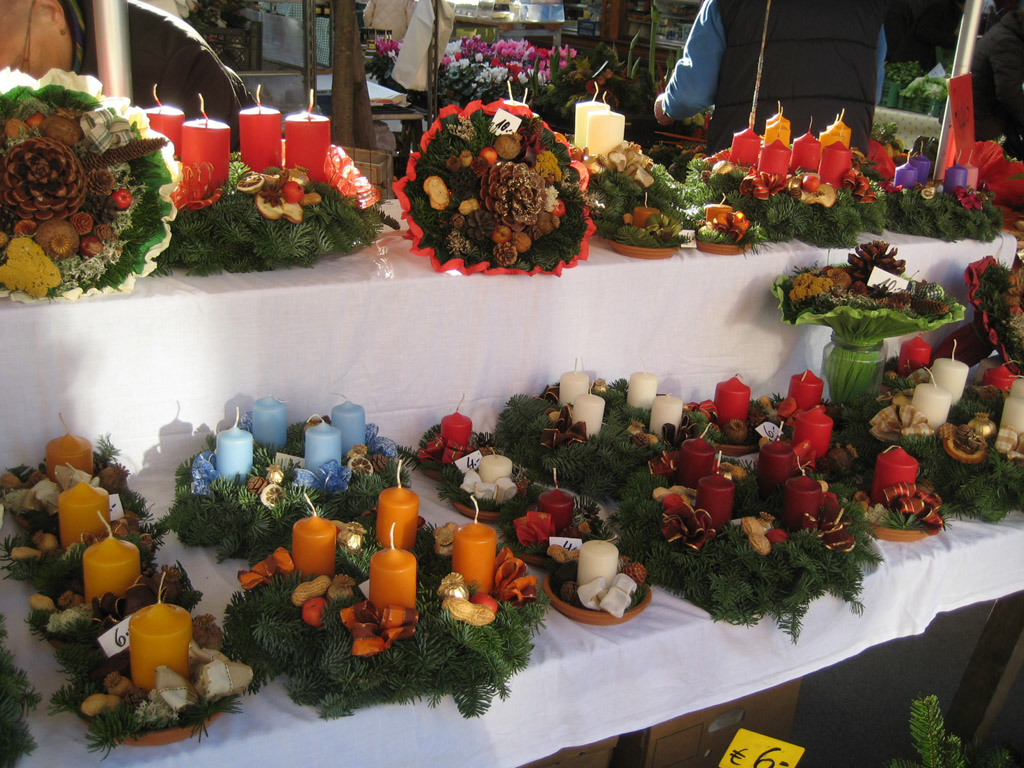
(350, 535)
(983, 426)
(453, 585)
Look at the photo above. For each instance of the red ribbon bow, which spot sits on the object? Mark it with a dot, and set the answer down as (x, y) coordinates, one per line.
(681, 522)
(832, 529)
(534, 528)
(707, 407)
(196, 189)
(442, 450)
(663, 465)
(375, 631)
(345, 177)
(859, 186)
(969, 199)
(909, 499)
(762, 185)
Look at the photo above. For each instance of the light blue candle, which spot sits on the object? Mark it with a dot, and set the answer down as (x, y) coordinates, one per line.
(323, 443)
(351, 420)
(234, 453)
(270, 422)
(956, 176)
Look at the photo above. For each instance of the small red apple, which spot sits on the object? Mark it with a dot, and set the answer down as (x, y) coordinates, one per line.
(559, 209)
(482, 598)
(36, 120)
(811, 182)
(776, 535)
(502, 233)
(293, 191)
(90, 246)
(313, 611)
(122, 198)
(490, 154)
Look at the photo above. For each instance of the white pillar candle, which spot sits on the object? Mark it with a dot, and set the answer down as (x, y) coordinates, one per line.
(643, 387)
(572, 385)
(665, 410)
(604, 132)
(951, 375)
(597, 559)
(590, 410)
(493, 467)
(584, 109)
(934, 402)
(1017, 388)
(1013, 414)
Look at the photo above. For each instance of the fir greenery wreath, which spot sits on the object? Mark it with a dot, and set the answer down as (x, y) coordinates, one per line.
(107, 221)
(232, 517)
(445, 657)
(617, 194)
(945, 216)
(20, 698)
(478, 200)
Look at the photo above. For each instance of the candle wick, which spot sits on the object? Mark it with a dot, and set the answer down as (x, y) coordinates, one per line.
(476, 515)
(63, 423)
(160, 588)
(804, 376)
(309, 114)
(642, 361)
(259, 87)
(308, 501)
(106, 523)
(576, 365)
(392, 534)
(238, 416)
(399, 473)
(461, 399)
(706, 428)
(526, 95)
(509, 84)
(554, 476)
(953, 355)
(155, 97)
(202, 110)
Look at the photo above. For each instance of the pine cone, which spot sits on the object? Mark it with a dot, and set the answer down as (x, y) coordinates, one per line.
(100, 182)
(133, 150)
(42, 179)
(895, 300)
(637, 572)
(505, 254)
(568, 591)
(206, 632)
(114, 478)
(929, 307)
(464, 184)
(513, 193)
(479, 225)
(877, 253)
(480, 167)
(379, 462)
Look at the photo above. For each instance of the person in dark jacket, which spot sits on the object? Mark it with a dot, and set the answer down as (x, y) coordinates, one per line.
(38, 35)
(938, 26)
(997, 76)
(822, 57)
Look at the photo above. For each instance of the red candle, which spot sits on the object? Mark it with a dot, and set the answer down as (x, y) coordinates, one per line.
(776, 463)
(801, 502)
(732, 400)
(207, 141)
(559, 505)
(774, 158)
(715, 494)
(696, 460)
(746, 145)
(806, 153)
(806, 389)
(892, 467)
(456, 428)
(168, 121)
(815, 427)
(836, 160)
(914, 353)
(307, 140)
(259, 137)
(1000, 376)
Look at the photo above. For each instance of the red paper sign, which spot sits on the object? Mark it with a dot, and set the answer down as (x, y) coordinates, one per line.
(961, 102)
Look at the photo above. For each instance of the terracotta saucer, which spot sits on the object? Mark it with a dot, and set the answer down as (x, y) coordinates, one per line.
(720, 249)
(468, 511)
(596, 618)
(898, 534)
(640, 252)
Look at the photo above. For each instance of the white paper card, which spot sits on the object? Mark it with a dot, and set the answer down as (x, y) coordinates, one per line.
(115, 639)
(116, 509)
(469, 461)
(566, 542)
(365, 588)
(887, 279)
(769, 429)
(689, 238)
(505, 122)
(284, 458)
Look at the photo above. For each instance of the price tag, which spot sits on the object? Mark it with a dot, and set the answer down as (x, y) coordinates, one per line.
(688, 236)
(887, 280)
(115, 639)
(116, 510)
(469, 461)
(565, 542)
(284, 458)
(752, 750)
(365, 589)
(769, 429)
(505, 122)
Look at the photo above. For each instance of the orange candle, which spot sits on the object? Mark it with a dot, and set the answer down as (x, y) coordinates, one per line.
(158, 635)
(641, 214)
(401, 507)
(777, 128)
(837, 132)
(393, 577)
(314, 545)
(76, 513)
(476, 546)
(69, 449)
(111, 565)
(714, 211)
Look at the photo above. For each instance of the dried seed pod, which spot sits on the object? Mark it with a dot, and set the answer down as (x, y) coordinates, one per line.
(341, 586)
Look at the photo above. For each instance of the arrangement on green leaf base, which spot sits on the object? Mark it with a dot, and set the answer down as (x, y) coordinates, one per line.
(20, 698)
(250, 519)
(742, 574)
(862, 313)
(542, 438)
(107, 220)
(265, 221)
(340, 654)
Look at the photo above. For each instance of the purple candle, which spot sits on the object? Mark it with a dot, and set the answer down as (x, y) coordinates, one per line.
(906, 176)
(956, 176)
(923, 166)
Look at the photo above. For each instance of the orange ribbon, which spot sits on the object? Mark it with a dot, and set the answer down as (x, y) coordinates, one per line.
(375, 631)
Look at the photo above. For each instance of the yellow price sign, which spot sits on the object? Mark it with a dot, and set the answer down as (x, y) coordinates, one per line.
(752, 750)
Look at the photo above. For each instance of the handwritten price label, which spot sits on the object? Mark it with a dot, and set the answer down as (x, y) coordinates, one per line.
(285, 458)
(753, 750)
(566, 542)
(769, 429)
(887, 279)
(115, 639)
(505, 122)
(469, 461)
(116, 508)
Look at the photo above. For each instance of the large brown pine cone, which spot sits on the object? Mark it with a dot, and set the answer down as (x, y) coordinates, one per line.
(42, 179)
(513, 193)
(479, 225)
(877, 253)
(505, 254)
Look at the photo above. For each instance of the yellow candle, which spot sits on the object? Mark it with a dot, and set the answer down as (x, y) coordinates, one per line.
(158, 635)
(69, 449)
(111, 565)
(76, 511)
(314, 545)
(476, 547)
(777, 129)
(837, 132)
(393, 579)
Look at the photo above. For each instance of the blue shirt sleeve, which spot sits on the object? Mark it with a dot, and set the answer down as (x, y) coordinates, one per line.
(695, 77)
(880, 56)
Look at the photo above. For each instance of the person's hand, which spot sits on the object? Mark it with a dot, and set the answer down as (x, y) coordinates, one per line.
(659, 111)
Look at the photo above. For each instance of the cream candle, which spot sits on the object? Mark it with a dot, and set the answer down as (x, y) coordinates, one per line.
(951, 375)
(665, 409)
(494, 467)
(1013, 414)
(598, 559)
(934, 402)
(605, 131)
(584, 109)
(643, 388)
(571, 385)
(590, 410)
(1017, 388)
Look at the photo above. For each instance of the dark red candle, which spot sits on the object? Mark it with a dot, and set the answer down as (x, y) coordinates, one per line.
(815, 427)
(715, 494)
(207, 141)
(746, 145)
(259, 137)
(801, 502)
(559, 505)
(892, 467)
(168, 121)
(1000, 376)
(307, 142)
(914, 353)
(696, 459)
(732, 400)
(776, 463)
(806, 389)
(456, 428)
(774, 158)
(836, 160)
(806, 153)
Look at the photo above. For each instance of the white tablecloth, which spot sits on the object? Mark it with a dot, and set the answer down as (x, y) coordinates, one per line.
(161, 367)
